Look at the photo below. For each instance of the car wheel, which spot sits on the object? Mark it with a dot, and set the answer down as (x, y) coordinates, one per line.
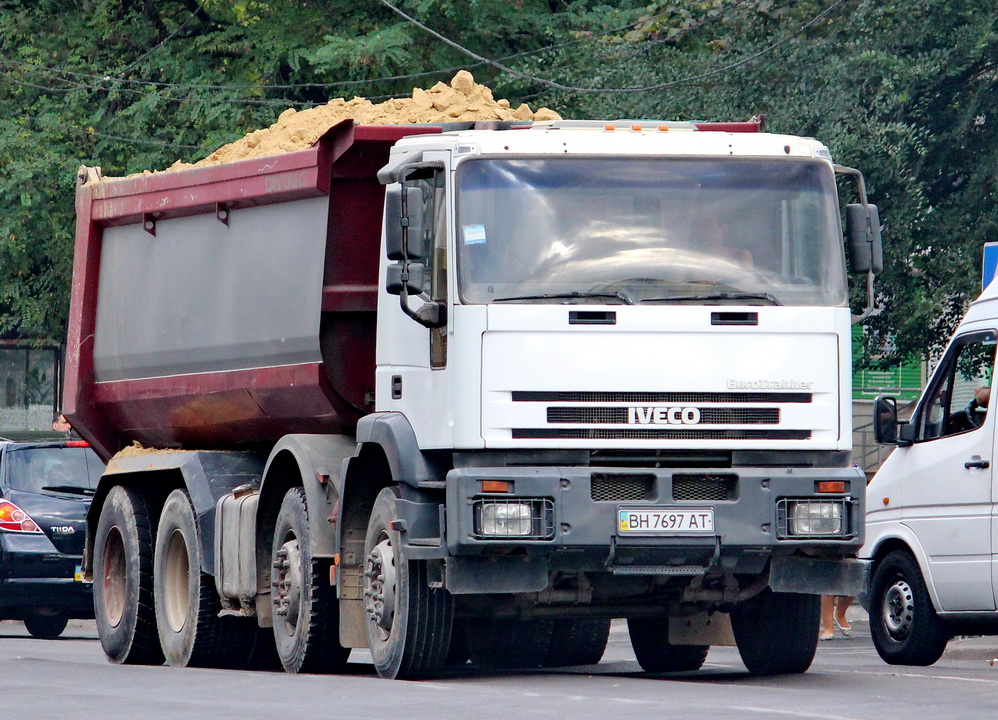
(46, 626)
(191, 632)
(903, 623)
(654, 652)
(123, 589)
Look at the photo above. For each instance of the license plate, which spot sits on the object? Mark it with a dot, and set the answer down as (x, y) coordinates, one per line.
(665, 521)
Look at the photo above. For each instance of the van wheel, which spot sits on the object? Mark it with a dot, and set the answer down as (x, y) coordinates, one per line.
(654, 652)
(777, 633)
(191, 632)
(306, 617)
(46, 627)
(903, 623)
(408, 623)
(123, 567)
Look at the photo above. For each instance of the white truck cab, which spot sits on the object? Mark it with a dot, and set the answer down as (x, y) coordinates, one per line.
(931, 527)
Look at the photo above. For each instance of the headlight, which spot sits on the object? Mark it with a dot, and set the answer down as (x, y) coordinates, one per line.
(523, 518)
(506, 519)
(815, 517)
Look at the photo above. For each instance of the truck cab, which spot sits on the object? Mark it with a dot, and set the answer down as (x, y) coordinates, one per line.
(931, 523)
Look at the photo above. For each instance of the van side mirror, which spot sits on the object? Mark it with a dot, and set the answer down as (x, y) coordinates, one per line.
(866, 249)
(404, 223)
(885, 420)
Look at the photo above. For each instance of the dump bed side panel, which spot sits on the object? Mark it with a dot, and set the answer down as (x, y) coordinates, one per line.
(229, 304)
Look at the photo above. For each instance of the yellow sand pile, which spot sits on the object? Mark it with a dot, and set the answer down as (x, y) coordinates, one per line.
(462, 99)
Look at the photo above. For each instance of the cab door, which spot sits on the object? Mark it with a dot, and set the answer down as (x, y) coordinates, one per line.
(947, 486)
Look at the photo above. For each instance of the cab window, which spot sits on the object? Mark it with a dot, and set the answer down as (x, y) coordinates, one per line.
(958, 399)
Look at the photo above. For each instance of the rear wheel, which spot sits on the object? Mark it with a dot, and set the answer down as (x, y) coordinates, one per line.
(777, 633)
(46, 626)
(409, 623)
(654, 652)
(306, 617)
(509, 644)
(903, 623)
(577, 641)
(187, 605)
(123, 579)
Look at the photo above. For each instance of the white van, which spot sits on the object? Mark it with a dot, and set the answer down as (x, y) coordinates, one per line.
(931, 526)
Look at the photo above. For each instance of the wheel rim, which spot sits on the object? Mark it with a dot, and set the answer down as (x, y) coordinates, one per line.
(113, 582)
(176, 582)
(380, 591)
(287, 585)
(899, 609)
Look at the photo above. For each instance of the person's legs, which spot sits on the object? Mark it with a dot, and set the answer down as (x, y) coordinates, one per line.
(827, 630)
(842, 603)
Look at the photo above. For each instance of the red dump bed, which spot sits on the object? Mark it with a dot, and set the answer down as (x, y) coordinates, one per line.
(229, 304)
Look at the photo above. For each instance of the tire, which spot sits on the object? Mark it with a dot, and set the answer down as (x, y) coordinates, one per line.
(509, 644)
(306, 614)
(191, 633)
(577, 641)
(777, 633)
(903, 623)
(654, 652)
(46, 627)
(123, 580)
(409, 623)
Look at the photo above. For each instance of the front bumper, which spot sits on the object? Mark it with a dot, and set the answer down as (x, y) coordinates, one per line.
(576, 515)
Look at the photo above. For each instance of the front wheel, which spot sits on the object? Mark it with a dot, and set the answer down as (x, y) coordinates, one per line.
(408, 622)
(777, 633)
(903, 623)
(306, 617)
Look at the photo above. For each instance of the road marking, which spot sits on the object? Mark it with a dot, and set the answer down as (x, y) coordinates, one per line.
(795, 713)
(985, 681)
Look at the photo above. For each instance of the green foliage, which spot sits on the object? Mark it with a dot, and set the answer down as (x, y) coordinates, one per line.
(902, 89)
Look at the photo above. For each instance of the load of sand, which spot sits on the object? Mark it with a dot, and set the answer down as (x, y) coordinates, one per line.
(461, 100)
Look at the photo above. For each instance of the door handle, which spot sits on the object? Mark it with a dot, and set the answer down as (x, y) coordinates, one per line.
(977, 463)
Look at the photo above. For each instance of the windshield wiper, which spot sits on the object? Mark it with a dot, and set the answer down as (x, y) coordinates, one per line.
(72, 489)
(768, 297)
(574, 295)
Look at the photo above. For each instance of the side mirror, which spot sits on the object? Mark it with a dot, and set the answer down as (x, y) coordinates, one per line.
(404, 223)
(866, 249)
(413, 282)
(885, 420)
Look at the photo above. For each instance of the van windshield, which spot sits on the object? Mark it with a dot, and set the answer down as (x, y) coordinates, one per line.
(756, 230)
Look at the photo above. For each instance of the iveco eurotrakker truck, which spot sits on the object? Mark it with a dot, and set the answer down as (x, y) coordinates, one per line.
(459, 393)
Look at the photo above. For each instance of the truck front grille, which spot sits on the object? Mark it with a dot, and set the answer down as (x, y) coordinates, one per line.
(656, 434)
(705, 488)
(618, 487)
(664, 398)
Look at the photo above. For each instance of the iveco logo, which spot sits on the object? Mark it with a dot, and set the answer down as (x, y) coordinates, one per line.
(663, 415)
(62, 529)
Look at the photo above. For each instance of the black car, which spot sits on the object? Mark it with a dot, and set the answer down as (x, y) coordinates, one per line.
(45, 491)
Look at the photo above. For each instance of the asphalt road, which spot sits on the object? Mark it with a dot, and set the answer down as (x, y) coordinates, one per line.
(69, 678)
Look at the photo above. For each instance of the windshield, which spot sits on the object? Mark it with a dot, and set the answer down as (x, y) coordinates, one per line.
(53, 469)
(611, 230)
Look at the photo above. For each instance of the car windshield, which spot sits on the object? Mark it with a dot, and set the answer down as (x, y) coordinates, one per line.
(728, 231)
(52, 469)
